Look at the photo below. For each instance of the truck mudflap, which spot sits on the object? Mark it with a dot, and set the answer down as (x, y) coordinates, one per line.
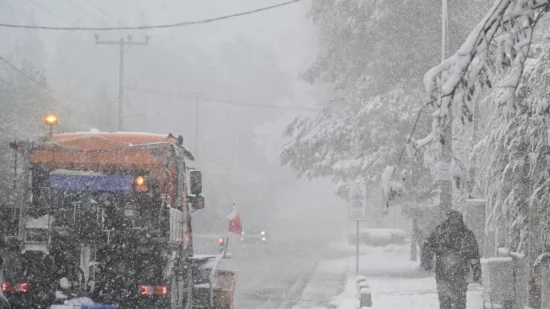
(214, 288)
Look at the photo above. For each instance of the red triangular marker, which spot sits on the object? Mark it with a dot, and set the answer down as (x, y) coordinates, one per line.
(235, 222)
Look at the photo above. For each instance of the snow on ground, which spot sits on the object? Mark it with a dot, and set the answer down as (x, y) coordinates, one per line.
(394, 280)
(325, 282)
(392, 260)
(390, 293)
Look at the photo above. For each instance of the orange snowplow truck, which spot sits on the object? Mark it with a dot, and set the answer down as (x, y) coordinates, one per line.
(110, 213)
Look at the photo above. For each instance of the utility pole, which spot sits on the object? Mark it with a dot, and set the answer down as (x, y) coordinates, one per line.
(196, 128)
(123, 46)
(444, 175)
(238, 149)
(474, 155)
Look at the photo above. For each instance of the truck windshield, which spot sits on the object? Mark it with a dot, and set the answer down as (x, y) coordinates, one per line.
(93, 200)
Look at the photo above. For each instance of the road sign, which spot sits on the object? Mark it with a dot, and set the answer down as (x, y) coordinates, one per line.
(358, 203)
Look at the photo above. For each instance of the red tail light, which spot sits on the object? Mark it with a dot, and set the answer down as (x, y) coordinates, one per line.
(160, 290)
(153, 290)
(143, 290)
(221, 241)
(11, 287)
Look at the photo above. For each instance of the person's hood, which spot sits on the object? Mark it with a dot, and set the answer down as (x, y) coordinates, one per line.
(455, 214)
(454, 219)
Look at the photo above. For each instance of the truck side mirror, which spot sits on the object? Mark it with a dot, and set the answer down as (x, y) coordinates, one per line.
(196, 182)
(197, 202)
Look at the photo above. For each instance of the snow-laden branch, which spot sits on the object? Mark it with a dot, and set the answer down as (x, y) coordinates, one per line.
(497, 47)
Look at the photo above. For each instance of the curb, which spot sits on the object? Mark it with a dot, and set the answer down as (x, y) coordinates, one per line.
(295, 291)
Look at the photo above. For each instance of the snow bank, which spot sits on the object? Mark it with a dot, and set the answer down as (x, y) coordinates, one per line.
(384, 233)
(411, 293)
(496, 260)
(347, 299)
(80, 301)
(378, 236)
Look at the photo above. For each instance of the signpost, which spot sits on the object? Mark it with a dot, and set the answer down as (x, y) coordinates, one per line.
(357, 212)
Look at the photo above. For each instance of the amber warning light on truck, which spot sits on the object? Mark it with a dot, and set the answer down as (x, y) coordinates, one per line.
(140, 184)
(51, 120)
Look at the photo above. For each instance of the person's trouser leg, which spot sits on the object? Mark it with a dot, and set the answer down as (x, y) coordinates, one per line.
(452, 292)
(445, 302)
(444, 293)
(459, 294)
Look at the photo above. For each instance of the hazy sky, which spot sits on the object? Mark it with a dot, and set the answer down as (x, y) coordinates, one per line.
(254, 59)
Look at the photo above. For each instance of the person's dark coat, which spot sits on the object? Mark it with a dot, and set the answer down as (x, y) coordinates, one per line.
(456, 250)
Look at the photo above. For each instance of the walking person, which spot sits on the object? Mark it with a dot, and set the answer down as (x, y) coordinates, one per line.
(455, 248)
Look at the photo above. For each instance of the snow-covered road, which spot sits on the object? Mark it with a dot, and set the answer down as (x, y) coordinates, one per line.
(267, 274)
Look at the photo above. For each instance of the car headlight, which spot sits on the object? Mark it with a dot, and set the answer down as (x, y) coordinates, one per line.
(263, 233)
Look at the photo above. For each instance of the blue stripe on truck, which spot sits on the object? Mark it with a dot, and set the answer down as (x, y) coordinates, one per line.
(118, 183)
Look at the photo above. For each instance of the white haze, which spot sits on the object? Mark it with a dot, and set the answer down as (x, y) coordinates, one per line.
(252, 59)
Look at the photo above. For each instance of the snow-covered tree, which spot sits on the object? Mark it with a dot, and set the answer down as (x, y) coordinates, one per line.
(24, 104)
(517, 152)
(372, 53)
(497, 49)
(352, 140)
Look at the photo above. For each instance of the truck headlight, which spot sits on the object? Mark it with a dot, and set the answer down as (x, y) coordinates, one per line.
(263, 233)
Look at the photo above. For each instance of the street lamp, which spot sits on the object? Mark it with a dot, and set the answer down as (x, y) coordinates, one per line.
(51, 121)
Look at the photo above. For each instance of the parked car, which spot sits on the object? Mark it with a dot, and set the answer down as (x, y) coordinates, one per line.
(377, 236)
(254, 234)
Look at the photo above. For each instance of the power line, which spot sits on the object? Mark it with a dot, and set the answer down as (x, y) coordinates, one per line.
(41, 84)
(18, 13)
(13, 9)
(105, 13)
(179, 24)
(196, 97)
(78, 7)
(47, 11)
